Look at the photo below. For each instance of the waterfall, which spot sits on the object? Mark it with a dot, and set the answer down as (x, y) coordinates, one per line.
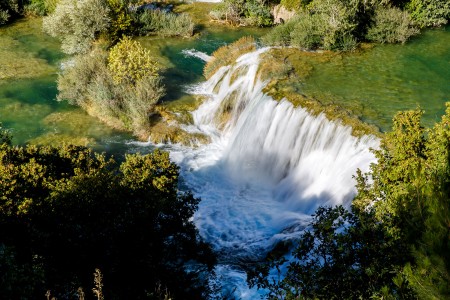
(267, 169)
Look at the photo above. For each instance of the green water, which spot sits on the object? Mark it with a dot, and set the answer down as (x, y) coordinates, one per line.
(374, 84)
(180, 69)
(29, 63)
(377, 83)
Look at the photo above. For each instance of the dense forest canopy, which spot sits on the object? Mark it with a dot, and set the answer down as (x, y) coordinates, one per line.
(65, 211)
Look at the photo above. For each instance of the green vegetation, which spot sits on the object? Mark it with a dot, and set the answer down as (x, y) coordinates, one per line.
(392, 25)
(340, 25)
(151, 22)
(121, 88)
(429, 12)
(243, 13)
(129, 62)
(67, 211)
(78, 24)
(395, 244)
(9, 9)
(228, 54)
(41, 7)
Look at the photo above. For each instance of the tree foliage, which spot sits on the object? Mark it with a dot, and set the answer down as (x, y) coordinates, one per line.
(430, 12)
(129, 62)
(340, 25)
(391, 25)
(78, 23)
(90, 84)
(66, 211)
(247, 13)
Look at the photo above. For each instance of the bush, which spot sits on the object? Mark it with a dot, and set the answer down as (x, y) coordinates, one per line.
(157, 22)
(308, 31)
(429, 12)
(239, 12)
(391, 26)
(295, 4)
(77, 24)
(4, 16)
(8, 10)
(257, 14)
(41, 7)
(129, 62)
(280, 35)
(125, 104)
(121, 20)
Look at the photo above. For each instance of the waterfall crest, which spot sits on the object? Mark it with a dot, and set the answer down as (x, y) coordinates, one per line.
(268, 167)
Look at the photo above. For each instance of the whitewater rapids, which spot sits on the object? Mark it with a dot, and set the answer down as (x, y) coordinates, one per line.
(267, 169)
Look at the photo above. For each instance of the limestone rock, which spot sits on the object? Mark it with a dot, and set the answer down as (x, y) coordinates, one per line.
(281, 14)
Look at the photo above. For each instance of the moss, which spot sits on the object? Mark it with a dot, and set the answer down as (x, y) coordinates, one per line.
(228, 54)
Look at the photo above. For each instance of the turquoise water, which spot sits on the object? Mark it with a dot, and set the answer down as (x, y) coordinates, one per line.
(374, 83)
(377, 83)
(29, 63)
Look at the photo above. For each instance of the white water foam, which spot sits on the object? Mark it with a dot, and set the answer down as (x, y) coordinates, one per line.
(268, 167)
(194, 53)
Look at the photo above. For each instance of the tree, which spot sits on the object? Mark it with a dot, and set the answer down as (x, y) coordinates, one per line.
(78, 23)
(392, 25)
(395, 243)
(429, 12)
(66, 211)
(343, 255)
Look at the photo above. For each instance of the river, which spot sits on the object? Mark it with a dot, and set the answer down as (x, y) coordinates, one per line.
(270, 165)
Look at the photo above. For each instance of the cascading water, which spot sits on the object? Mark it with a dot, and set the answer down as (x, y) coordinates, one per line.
(268, 167)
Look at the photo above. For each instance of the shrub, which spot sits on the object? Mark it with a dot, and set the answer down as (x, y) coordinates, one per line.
(4, 16)
(121, 19)
(228, 54)
(129, 62)
(294, 4)
(164, 23)
(280, 35)
(391, 26)
(429, 12)
(125, 104)
(239, 12)
(75, 81)
(77, 23)
(308, 31)
(327, 24)
(41, 7)
(257, 14)
(8, 10)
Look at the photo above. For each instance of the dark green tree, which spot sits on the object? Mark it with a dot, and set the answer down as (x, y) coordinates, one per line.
(66, 211)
